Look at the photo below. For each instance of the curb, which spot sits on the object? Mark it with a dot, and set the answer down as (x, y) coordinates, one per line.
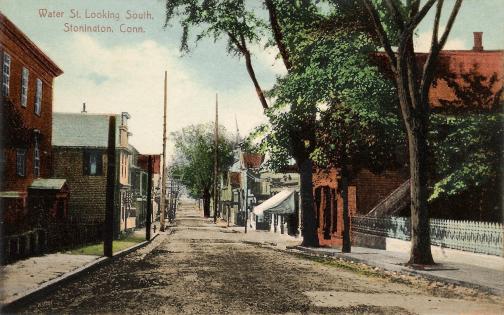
(33, 295)
(400, 269)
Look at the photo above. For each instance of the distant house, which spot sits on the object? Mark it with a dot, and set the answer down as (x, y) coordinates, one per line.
(239, 187)
(231, 197)
(80, 143)
(26, 113)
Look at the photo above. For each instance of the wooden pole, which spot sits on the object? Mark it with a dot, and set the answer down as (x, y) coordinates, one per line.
(110, 193)
(163, 172)
(149, 200)
(347, 246)
(216, 157)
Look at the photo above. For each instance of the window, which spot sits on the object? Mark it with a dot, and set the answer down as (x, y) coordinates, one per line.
(93, 163)
(38, 97)
(24, 87)
(2, 161)
(21, 162)
(6, 73)
(36, 157)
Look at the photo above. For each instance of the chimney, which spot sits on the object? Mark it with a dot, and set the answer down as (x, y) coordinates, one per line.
(478, 41)
(83, 108)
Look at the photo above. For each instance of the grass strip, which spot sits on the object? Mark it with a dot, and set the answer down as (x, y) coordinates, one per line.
(117, 246)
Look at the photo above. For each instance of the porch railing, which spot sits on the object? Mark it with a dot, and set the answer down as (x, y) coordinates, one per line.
(473, 236)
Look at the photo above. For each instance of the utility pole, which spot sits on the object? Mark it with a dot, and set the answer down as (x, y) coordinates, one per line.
(216, 156)
(246, 201)
(109, 201)
(162, 200)
(149, 200)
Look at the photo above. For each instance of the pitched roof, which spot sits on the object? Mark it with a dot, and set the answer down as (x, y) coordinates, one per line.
(456, 64)
(82, 130)
(459, 65)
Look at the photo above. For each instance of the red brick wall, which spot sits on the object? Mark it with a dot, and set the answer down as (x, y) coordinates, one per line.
(371, 188)
(364, 192)
(327, 181)
(24, 54)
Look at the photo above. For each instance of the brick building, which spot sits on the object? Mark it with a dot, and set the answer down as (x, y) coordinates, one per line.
(26, 120)
(366, 189)
(80, 143)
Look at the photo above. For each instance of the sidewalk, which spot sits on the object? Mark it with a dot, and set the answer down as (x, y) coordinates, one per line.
(27, 276)
(467, 269)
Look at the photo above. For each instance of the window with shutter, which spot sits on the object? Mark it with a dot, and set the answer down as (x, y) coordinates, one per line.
(6, 70)
(24, 87)
(38, 97)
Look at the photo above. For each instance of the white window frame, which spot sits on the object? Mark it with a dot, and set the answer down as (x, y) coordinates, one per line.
(93, 163)
(6, 71)
(24, 87)
(21, 162)
(38, 97)
(36, 157)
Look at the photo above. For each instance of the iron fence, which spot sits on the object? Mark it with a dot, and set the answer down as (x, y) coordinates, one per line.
(54, 236)
(473, 236)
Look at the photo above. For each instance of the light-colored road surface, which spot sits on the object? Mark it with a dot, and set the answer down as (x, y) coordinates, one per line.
(199, 268)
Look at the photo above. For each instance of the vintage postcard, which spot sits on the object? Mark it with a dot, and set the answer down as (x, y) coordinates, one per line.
(251, 157)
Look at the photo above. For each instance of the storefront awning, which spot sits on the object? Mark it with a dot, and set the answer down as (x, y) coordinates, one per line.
(281, 203)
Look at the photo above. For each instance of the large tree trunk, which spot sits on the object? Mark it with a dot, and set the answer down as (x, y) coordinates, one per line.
(347, 247)
(206, 203)
(310, 236)
(420, 228)
(414, 99)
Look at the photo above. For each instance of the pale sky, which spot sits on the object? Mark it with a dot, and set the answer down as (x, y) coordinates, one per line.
(115, 72)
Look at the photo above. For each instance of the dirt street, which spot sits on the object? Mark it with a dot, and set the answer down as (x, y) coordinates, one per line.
(198, 268)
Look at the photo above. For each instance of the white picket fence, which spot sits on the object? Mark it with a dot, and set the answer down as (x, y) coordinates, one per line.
(473, 236)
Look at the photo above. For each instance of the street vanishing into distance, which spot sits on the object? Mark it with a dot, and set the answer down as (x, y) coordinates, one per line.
(198, 267)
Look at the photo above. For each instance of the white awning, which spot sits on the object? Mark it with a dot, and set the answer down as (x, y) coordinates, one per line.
(281, 203)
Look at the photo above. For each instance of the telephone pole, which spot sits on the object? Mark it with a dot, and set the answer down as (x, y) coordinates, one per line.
(216, 157)
(148, 221)
(109, 200)
(163, 172)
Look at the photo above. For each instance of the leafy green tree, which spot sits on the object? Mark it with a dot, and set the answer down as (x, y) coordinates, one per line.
(291, 25)
(413, 86)
(467, 151)
(466, 142)
(239, 25)
(341, 98)
(228, 20)
(194, 159)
